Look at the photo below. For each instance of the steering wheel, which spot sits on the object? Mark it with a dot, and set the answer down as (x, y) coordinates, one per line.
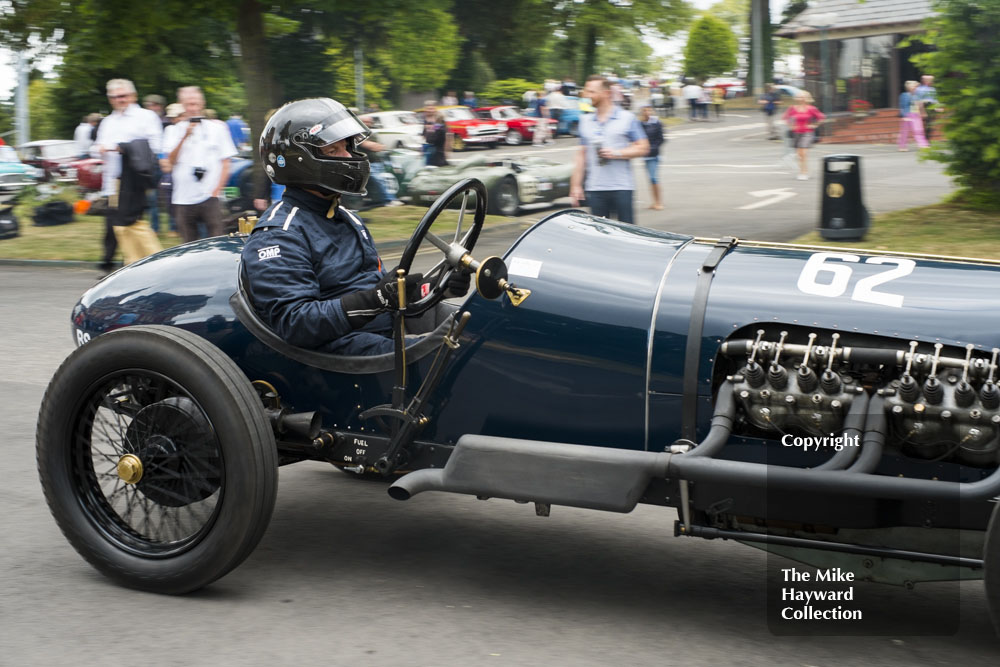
(453, 250)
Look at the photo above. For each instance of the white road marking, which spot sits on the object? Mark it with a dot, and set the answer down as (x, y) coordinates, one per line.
(774, 196)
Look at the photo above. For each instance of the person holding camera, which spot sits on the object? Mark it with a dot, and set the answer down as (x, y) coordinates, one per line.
(198, 151)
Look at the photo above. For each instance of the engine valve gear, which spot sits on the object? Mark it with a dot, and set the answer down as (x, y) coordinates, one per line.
(933, 390)
(989, 395)
(830, 381)
(964, 393)
(806, 377)
(909, 390)
(754, 372)
(777, 374)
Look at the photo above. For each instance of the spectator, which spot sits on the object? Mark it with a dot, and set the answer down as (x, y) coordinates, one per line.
(703, 102)
(540, 136)
(165, 190)
(449, 99)
(239, 131)
(910, 117)
(430, 116)
(198, 152)
(124, 182)
(378, 194)
(609, 138)
(436, 135)
(803, 118)
(469, 99)
(654, 135)
(769, 104)
(927, 96)
(157, 104)
(692, 93)
(556, 102)
(718, 101)
(83, 135)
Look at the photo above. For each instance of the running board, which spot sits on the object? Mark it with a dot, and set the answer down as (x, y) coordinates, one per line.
(600, 478)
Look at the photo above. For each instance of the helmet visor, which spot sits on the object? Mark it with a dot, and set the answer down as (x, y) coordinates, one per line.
(340, 123)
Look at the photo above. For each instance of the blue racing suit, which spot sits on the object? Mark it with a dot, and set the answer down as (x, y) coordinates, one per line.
(301, 257)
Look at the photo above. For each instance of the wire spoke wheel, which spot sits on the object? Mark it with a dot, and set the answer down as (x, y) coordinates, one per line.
(156, 458)
(145, 420)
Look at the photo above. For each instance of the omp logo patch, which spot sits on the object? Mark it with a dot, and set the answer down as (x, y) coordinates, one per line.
(268, 253)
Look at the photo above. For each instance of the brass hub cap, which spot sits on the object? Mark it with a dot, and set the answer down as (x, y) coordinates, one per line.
(130, 468)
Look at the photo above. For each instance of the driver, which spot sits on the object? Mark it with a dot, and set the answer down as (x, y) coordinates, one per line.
(311, 268)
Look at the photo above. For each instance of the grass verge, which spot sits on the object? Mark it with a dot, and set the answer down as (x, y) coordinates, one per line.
(940, 229)
(81, 240)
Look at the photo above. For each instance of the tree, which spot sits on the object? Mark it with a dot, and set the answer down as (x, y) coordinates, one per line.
(966, 65)
(587, 22)
(711, 48)
(625, 53)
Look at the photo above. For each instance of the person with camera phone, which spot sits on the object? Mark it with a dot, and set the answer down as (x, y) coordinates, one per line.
(198, 152)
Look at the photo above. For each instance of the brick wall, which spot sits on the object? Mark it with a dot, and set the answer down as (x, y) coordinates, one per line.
(881, 127)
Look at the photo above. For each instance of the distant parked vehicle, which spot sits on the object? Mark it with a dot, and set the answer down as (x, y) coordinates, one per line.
(396, 129)
(14, 174)
(466, 128)
(519, 127)
(53, 157)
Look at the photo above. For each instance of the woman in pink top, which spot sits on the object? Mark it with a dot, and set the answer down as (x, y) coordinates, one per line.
(802, 117)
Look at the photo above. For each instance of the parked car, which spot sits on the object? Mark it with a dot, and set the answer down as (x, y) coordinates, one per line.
(787, 92)
(519, 127)
(467, 128)
(838, 408)
(14, 174)
(89, 172)
(396, 129)
(53, 156)
(569, 122)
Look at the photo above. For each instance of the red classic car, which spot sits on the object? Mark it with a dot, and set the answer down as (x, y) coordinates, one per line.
(467, 128)
(89, 172)
(53, 156)
(519, 127)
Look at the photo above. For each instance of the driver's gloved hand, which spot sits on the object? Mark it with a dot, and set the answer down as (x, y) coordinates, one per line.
(458, 284)
(361, 306)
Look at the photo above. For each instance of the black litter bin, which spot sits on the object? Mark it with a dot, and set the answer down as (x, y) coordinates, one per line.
(843, 215)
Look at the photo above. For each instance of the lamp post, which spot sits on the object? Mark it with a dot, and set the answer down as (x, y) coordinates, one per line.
(824, 22)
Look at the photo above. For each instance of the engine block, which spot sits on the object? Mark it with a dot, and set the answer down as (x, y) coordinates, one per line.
(939, 405)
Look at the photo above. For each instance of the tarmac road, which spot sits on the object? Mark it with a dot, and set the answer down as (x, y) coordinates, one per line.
(346, 576)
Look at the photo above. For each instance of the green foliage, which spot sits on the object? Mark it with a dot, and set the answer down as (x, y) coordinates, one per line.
(507, 91)
(624, 53)
(734, 12)
(966, 65)
(41, 111)
(711, 48)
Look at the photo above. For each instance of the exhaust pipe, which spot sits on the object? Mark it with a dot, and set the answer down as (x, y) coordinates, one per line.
(600, 478)
(300, 425)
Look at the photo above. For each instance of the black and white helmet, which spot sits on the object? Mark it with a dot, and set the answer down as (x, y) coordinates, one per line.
(290, 143)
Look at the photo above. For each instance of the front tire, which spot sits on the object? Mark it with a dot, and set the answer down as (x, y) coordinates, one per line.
(513, 138)
(574, 129)
(156, 458)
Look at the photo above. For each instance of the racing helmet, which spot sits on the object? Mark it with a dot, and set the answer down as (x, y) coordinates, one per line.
(291, 141)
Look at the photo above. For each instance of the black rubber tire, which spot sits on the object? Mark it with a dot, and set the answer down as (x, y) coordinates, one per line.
(505, 200)
(991, 560)
(513, 138)
(240, 433)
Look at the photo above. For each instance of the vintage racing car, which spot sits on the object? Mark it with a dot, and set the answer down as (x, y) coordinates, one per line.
(834, 407)
(510, 181)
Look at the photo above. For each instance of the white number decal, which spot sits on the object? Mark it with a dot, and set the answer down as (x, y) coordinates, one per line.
(841, 275)
(864, 291)
(817, 264)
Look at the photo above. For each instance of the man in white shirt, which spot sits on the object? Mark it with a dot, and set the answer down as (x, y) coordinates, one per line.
(692, 95)
(555, 101)
(198, 151)
(83, 135)
(127, 122)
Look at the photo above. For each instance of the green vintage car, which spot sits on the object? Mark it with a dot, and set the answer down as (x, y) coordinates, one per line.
(510, 182)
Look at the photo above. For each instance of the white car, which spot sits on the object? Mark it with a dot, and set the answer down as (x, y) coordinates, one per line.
(396, 129)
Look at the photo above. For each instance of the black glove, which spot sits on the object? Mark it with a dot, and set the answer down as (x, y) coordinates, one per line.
(360, 307)
(458, 284)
